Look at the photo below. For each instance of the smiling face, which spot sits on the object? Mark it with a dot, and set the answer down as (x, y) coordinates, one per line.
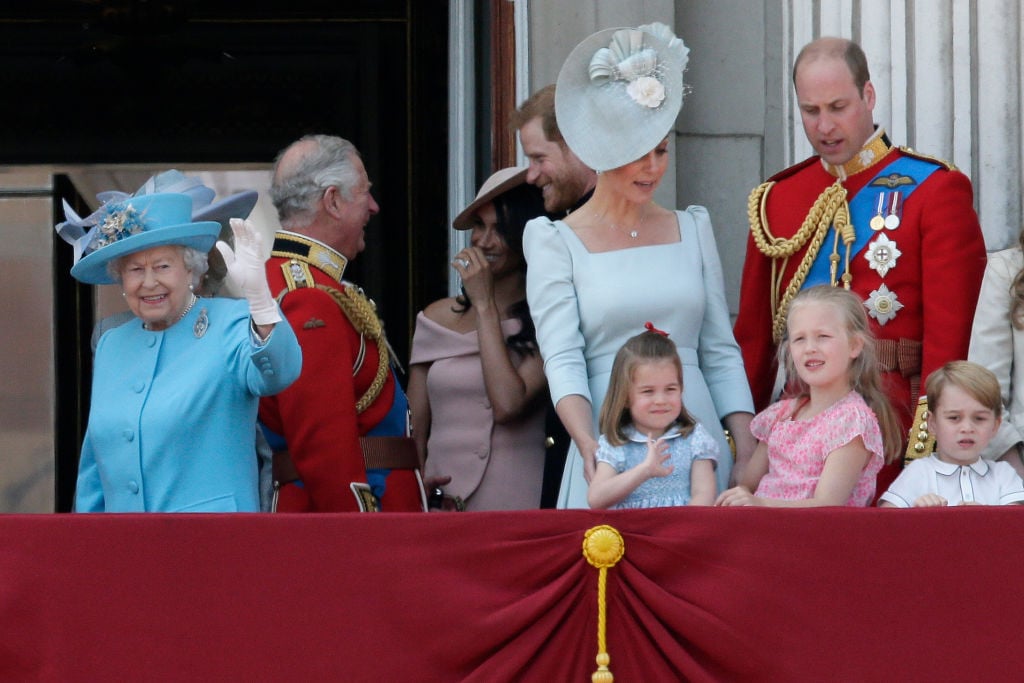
(352, 214)
(655, 396)
(560, 175)
(821, 347)
(837, 117)
(638, 179)
(962, 426)
(156, 285)
(486, 237)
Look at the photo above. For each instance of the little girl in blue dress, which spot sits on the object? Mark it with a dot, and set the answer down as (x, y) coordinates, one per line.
(651, 452)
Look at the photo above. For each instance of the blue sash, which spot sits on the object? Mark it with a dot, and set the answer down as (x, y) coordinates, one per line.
(863, 206)
(395, 423)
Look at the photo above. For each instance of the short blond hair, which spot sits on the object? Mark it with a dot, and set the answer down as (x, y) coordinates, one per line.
(977, 381)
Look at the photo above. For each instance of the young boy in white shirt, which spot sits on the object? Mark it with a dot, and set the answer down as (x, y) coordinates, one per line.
(964, 412)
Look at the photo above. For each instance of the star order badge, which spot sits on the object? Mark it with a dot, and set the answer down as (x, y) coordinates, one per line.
(882, 305)
(882, 254)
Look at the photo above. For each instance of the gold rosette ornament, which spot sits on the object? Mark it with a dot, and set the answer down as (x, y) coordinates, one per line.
(603, 547)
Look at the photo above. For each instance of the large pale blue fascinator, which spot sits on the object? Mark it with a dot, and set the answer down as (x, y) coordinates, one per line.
(619, 92)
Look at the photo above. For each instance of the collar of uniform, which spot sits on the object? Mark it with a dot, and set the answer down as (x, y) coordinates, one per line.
(292, 245)
(873, 151)
(980, 466)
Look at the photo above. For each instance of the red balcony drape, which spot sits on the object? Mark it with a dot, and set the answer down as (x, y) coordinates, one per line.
(700, 595)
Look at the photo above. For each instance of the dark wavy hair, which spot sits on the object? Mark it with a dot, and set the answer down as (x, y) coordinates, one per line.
(513, 209)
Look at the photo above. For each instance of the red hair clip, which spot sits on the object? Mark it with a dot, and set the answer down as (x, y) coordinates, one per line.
(651, 328)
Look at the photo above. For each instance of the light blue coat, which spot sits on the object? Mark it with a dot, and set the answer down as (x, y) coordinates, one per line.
(172, 413)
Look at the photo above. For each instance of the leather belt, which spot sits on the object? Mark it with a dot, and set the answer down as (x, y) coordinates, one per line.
(379, 452)
(284, 469)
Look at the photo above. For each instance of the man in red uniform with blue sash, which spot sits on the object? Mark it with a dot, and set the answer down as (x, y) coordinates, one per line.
(347, 388)
(897, 228)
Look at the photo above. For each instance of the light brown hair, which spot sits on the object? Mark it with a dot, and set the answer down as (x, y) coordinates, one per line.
(645, 347)
(837, 48)
(542, 104)
(976, 380)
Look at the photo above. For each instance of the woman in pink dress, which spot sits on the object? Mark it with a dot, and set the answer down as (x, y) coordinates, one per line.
(824, 444)
(477, 390)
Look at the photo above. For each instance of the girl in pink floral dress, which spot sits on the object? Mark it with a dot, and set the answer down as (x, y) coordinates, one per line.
(825, 442)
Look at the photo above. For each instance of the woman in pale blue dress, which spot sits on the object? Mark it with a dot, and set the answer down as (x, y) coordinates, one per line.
(621, 260)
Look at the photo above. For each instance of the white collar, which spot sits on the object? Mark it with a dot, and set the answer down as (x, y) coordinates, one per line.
(633, 434)
(980, 466)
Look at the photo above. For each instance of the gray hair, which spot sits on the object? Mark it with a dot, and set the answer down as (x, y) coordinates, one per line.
(196, 263)
(327, 164)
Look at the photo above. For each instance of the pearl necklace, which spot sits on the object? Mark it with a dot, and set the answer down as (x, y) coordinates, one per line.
(188, 308)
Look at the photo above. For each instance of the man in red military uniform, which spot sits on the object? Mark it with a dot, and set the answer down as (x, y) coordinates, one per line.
(899, 229)
(347, 388)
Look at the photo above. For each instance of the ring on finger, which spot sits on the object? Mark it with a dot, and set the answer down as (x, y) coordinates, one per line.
(462, 262)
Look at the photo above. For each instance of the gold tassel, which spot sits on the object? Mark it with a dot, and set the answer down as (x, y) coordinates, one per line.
(603, 547)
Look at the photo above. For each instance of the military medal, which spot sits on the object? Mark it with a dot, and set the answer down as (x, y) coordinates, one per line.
(878, 221)
(297, 272)
(881, 254)
(892, 221)
(883, 305)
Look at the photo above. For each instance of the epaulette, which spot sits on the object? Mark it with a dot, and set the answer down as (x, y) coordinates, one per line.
(927, 157)
(786, 172)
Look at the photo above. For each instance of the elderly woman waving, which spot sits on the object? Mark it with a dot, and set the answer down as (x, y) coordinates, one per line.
(175, 393)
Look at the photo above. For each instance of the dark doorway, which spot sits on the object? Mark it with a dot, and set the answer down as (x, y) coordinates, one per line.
(174, 82)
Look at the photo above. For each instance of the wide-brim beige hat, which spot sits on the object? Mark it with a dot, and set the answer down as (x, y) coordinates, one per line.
(498, 184)
(619, 92)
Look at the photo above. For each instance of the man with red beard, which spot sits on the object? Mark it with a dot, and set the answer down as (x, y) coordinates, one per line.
(566, 183)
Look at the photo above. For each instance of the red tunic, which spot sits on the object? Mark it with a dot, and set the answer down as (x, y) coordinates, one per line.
(936, 277)
(317, 414)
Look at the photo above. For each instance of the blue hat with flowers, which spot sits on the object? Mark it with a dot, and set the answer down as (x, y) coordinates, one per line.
(133, 224)
(238, 205)
(619, 92)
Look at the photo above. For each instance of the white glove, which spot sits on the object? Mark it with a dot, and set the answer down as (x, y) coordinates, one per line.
(247, 273)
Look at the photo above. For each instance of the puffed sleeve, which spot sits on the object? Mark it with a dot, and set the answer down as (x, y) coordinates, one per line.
(704, 445)
(612, 455)
(992, 342)
(551, 295)
(720, 360)
(761, 425)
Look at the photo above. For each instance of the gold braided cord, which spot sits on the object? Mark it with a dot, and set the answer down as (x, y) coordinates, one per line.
(603, 547)
(363, 317)
(830, 207)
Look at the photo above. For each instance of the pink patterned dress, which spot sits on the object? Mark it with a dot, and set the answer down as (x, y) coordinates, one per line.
(797, 448)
